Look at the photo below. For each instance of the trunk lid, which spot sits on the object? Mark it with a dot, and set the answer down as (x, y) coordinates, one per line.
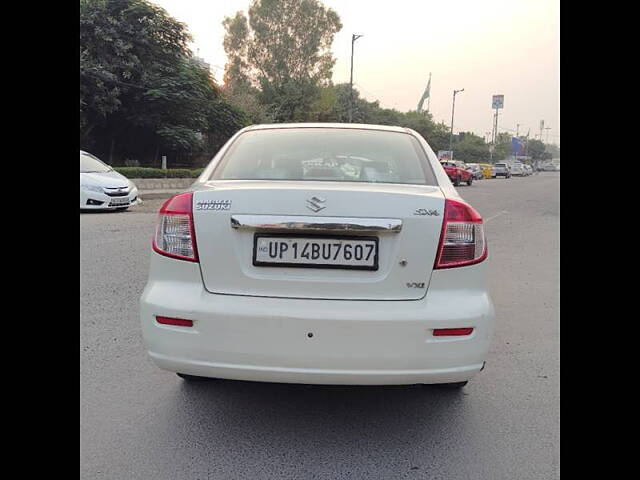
(406, 220)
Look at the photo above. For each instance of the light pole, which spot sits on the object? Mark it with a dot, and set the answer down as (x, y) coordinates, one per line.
(354, 37)
(453, 109)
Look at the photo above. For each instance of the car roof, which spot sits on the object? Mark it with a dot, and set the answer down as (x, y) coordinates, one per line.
(354, 126)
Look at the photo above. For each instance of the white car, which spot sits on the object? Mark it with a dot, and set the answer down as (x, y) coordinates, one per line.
(501, 170)
(362, 267)
(518, 169)
(102, 188)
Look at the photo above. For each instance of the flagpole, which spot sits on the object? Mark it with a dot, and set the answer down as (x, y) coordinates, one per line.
(429, 99)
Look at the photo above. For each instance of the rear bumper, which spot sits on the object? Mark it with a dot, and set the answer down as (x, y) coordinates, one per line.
(314, 375)
(351, 342)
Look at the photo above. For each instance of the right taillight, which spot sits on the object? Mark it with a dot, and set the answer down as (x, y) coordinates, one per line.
(462, 239)
(175, 235)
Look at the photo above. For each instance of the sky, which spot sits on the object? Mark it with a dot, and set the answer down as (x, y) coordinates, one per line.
(487, 47)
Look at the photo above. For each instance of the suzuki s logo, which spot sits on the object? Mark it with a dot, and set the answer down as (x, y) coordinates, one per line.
(316, 204)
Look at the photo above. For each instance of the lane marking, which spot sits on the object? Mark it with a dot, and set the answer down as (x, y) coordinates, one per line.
(495, 216)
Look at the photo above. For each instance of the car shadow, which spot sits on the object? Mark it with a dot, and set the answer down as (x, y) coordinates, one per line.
(299, 414)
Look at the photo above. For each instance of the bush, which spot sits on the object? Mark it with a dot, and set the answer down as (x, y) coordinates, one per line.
(142, 172)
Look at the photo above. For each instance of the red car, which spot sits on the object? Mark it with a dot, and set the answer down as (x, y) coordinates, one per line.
(457, 172)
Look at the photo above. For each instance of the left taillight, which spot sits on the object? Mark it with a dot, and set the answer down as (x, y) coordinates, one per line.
(175, 235)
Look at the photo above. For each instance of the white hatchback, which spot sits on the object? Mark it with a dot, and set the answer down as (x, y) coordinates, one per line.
(320, 253)
(102, 188)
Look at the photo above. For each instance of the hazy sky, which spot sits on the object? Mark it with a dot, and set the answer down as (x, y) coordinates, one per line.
(509, 47)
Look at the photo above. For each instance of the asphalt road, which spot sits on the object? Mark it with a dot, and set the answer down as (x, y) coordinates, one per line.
(138, 422)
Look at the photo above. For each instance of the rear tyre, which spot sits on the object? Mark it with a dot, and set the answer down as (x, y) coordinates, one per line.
(470, 181)
(456, 182)
(192, 378)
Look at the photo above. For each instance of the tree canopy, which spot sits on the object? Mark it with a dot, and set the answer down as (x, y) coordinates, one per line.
(141, 92)
(281, 54)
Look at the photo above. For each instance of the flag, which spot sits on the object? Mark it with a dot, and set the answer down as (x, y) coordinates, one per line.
(425, 95)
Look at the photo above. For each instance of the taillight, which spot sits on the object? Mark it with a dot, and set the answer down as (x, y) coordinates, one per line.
(462, 239)
(175, 236)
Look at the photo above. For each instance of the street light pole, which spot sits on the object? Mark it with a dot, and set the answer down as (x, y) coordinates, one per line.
(354, 37)
(453, 109)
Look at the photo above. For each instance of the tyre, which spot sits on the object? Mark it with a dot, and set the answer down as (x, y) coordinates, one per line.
(192, 378)
(470, 181)
(456, 182)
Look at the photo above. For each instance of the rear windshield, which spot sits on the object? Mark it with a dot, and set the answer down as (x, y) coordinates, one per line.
(326, 154)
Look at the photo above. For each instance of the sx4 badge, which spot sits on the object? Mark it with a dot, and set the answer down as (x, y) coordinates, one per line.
(214, 205)
(424, 211)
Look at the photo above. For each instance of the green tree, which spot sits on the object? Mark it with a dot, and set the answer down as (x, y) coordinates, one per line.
(503, 146)
(535, 149)
(553, 150)
(470, 148)
(283, 50)
(140, 90)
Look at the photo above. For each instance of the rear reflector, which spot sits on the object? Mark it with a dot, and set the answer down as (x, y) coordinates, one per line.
(452, 332)
(179, 322)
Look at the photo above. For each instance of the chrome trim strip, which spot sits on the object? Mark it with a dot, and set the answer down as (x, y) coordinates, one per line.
(318, 224)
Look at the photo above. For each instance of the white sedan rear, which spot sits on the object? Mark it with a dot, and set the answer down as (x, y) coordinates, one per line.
(102, 188)
(320, 253)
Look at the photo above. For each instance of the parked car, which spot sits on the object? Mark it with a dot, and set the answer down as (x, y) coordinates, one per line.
(517, 169)
(456, 172)
(501, 170)
(476, 171)
(528, 170)
(342, 281)
(487, 170)
(102, 188)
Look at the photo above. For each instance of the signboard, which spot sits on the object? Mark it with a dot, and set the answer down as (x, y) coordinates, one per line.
(445, 155)
(497, 101)
(517, 147)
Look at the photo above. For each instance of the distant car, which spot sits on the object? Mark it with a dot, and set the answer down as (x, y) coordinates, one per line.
(102, 188)
(487, 170)
(457, 172)
(528, 170)
(476, 171)
(517, 169)
(501, 170)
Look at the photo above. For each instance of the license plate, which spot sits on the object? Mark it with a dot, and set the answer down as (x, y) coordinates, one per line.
(119, 201)
(316, 252)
